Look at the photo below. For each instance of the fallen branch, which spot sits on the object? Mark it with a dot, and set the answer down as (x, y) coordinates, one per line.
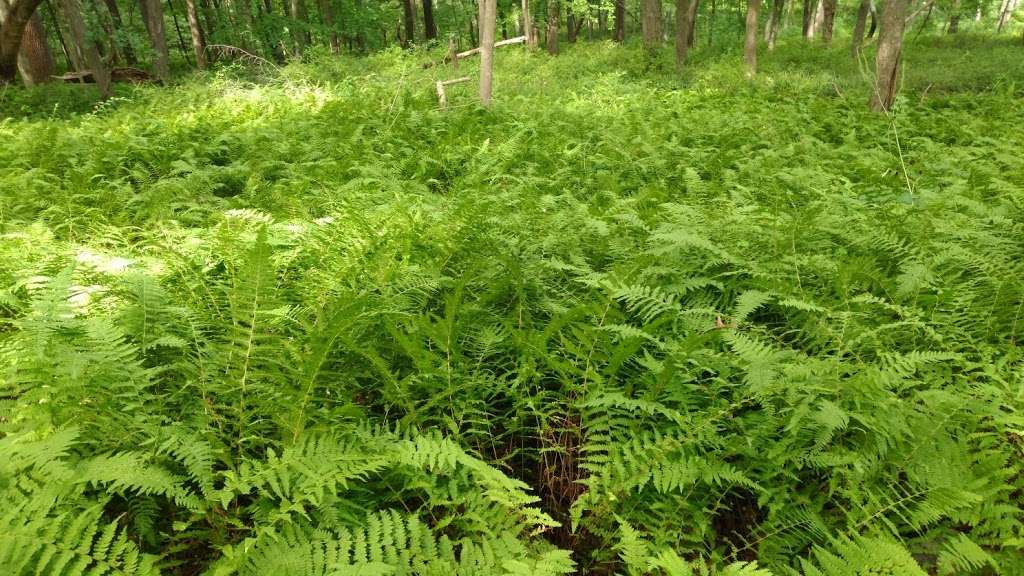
(516, 40)
(442, 97)
(467, 53)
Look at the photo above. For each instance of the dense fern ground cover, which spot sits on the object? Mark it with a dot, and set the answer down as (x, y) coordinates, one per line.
(304, 322)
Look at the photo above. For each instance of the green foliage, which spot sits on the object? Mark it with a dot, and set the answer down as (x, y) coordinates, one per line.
(620, 323)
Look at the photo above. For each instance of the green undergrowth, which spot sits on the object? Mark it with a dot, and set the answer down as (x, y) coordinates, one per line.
(302, 321)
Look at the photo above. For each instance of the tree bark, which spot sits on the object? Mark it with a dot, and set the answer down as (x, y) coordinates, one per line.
(1004, 15)
(76, 24)
(299, 18)
(874, 22)
(118, 25)
(198, 40)
(429, 27)
(808, 16)
(552, 39)
(858, 27)
(570, 24)
(531, 38)
(12, 29)
(750, 45)
(686, 11)
(488, 16)
(34, 59)
(153, 18)
(887, 61)
(828, 17)
(774, 22)
(409, 21)
(620, 20)
(327, 13)
(954, 18)
(651, 22)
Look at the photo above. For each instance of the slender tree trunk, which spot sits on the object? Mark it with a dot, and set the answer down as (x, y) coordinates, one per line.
(711, 22)
(177, 29)
(954, 18)
(686, 10)
(887, 61)
(153, 18)
(1004, 15)
(115, 15)
(198, 41)
(692, 38)
(874, 22)
(76, 23)
(570, 24)
(531, 38)
(620, 20)
(750, 45)
(488, 16)
(552, 34)
(774, 22)
(858, 27)
(57, 32)
(828, 16)
(16, 17)
(327, 12)
(429, 27)
(651, 23)
(299, 18)
(816, 19)
(409, 20)
(808, 16)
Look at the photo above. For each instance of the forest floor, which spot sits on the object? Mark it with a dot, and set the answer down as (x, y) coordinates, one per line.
(827, 301)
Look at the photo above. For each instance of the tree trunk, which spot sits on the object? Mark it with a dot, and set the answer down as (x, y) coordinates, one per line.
(115, 15)
(954, 18)
(552, 39)
(1004, 15)
(34, 59)
(808, 18)
(531, 38)
(299, 17)
(153, 18)
(651, 23)
(887, 61)
(686, 10)
(570, 24)
(177, 30)
(858, 27)
(429, 27)
(327, 13)
(16, 17)
(409, 21)
(750, 45)
(828, 16)
(692, 37)
(816, 18)
(620, 20)
(774, 22)
(711, 22)
(874, 22)
(488, 16)
(85, 47)
(198, 41)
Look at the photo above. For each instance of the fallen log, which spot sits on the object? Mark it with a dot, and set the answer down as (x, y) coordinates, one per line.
(116, 75)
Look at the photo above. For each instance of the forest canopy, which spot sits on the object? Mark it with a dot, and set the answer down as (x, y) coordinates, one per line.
(442, 287)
